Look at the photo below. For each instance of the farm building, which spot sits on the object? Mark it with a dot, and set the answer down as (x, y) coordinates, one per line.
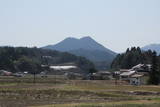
(142, 68)
(127, 75)
(124, 70)
(101, 75)
(5, 73)
(63, 67)
(74, 76)
(136, 79)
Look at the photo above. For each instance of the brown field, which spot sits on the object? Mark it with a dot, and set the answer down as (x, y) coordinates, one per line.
(56, 91)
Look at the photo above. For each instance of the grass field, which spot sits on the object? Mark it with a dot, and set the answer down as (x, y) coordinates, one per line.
(56, 91)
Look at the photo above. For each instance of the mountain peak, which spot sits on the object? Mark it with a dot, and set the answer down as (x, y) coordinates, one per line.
(71, 38)
(86, 37)
(88, 40)
(83, 38)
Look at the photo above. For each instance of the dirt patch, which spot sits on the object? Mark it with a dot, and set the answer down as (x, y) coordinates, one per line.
(144, 93)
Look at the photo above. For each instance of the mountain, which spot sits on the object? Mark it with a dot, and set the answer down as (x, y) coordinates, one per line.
(86, 47)
(93, 55)
(153, 47)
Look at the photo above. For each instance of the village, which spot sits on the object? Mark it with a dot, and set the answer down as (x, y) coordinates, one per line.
(137, 75)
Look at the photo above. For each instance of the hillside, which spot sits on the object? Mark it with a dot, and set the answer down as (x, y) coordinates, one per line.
(30, 59)
(86, 47)
(153, 47)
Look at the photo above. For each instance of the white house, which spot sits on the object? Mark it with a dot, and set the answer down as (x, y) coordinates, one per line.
(136, 79)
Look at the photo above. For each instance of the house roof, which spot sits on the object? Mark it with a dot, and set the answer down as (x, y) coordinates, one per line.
(136, 75)
(104, 72)
(138, 66)
(125, 70)
(127, 73)
(141, 65)
(3, 70)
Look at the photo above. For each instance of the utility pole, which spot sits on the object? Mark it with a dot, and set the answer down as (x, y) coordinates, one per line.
(116, 77)
(34, 78)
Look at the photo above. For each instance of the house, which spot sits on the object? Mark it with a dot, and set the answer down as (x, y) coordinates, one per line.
(127, 75)
(125, 70)
(101, 75)
(43, 75)
(19, 74)
(5, 73)
(74, 76)
(135, 75)
(136, 79)
(142, 68)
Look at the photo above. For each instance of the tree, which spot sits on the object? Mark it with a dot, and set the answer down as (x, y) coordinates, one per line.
(92, 70)
(26, 64)
(154, 75)
(131, 58)
(21, 59)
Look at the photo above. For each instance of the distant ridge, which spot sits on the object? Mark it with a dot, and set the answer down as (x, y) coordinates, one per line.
(153, 47)
(86, 47)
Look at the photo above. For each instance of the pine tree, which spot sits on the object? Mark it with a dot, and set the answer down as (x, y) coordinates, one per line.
(154, 75)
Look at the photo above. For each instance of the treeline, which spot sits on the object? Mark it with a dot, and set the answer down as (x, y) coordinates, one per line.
(131, 58)
(22, 59)
(136, 56)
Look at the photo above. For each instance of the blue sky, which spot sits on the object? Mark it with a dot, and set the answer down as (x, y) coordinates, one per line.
(117, 24)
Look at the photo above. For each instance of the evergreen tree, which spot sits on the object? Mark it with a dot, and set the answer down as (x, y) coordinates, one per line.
(131, 58)
(92, 70)
(154, 75)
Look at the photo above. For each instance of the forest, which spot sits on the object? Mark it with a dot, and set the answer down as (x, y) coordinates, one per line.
(19, 59)
(133, 57)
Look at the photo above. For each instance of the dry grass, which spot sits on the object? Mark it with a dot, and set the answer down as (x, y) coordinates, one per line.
(21, 92)
(135, 103)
